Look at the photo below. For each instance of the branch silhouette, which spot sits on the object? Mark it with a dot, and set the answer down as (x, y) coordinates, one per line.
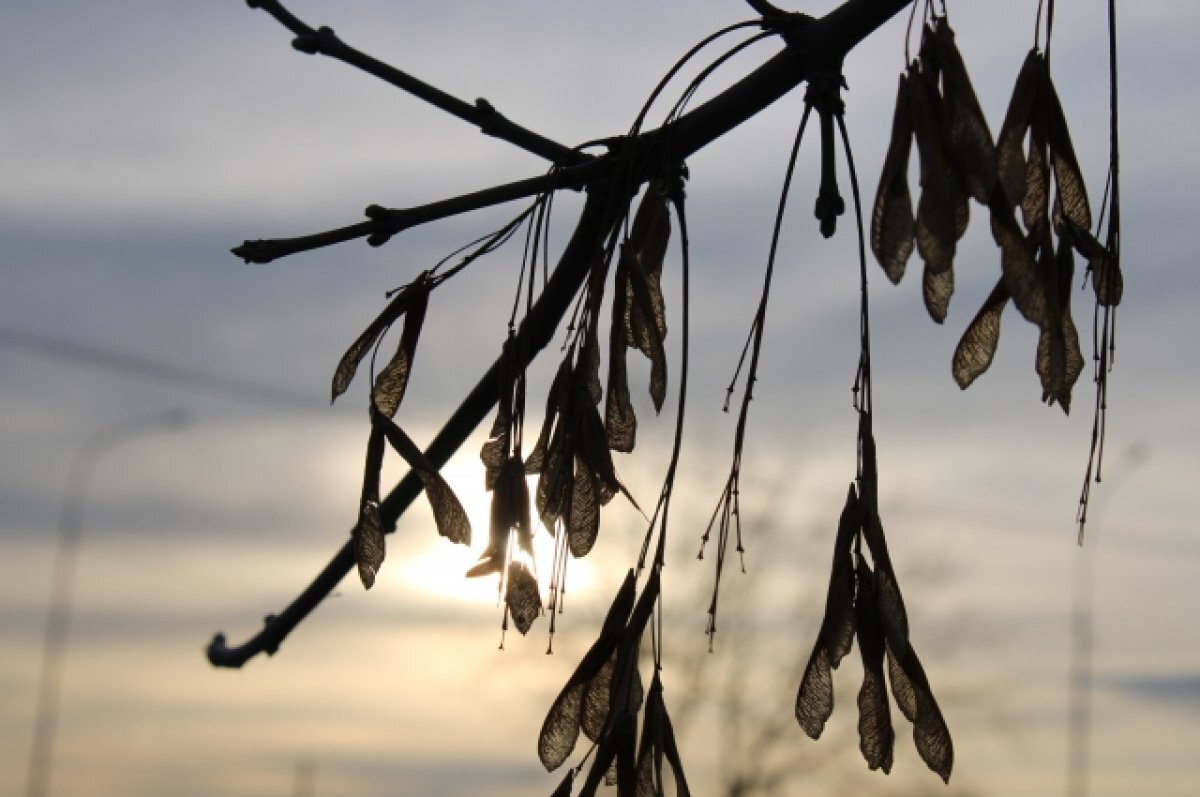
(323, 41)
(810, 47)
(383, 222)
(534, 334)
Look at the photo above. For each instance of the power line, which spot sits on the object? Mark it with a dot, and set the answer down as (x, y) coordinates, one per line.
(132, 365)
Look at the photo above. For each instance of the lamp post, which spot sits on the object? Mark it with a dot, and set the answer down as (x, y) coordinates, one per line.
(58, 617)
(1083, 636)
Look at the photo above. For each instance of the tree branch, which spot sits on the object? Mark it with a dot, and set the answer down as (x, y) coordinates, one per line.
(490, 122)
(601, 212)
(812, 47)
(384, 222)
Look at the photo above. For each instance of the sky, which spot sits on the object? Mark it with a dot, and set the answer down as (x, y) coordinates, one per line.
(139, 141)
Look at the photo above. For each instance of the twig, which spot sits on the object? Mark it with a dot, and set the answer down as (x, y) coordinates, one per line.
(384, 222)
(490, 122)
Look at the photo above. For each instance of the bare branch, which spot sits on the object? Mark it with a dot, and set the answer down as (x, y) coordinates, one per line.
(264, 250)
(814, 46)
(491, 122)
(384, 222)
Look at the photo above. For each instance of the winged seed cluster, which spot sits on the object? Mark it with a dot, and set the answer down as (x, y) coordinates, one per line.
(386, 395)
(865, 602)
(572, 453)
(602, 699)
(937, 106)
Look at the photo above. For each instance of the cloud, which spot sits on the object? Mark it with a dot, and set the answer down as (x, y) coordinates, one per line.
(1179, 690)
(140, 143)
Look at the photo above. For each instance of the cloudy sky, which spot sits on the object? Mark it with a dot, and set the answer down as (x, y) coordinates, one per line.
(139, 141)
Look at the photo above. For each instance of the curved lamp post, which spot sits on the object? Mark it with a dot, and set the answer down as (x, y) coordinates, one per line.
(58, 618)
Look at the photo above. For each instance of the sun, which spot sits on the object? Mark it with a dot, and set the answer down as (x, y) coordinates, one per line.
(439, 567)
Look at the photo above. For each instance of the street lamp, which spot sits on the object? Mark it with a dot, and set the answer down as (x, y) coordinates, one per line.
(1083, 629)
(58, 618)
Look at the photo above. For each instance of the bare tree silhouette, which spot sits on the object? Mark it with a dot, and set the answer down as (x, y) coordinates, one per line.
(1026, 179)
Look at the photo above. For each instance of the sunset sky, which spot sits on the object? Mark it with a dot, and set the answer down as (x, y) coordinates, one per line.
(140, 140)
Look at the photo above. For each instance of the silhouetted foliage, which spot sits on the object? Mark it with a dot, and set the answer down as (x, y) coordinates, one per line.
(1030, 166)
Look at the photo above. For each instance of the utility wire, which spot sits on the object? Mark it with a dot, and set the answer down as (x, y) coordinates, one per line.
(132, 365)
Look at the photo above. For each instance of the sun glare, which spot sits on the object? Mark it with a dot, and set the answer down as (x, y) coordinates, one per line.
(439, 568)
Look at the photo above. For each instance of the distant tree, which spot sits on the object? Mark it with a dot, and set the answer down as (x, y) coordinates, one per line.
(1026, 178)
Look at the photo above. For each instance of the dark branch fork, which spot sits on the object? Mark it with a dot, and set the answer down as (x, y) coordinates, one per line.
(817, 45)
(812, 46)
